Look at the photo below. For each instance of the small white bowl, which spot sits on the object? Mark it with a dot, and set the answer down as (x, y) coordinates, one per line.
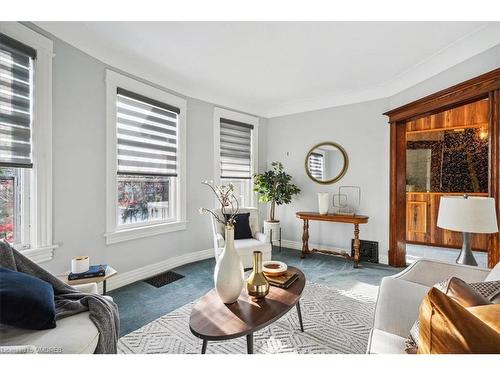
(274, 268)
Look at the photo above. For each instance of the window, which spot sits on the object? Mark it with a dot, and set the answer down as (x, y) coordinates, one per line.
(25, 140)
(236, 152)
(317, 165)
(14, 206)
(145, 134)
(16, 97)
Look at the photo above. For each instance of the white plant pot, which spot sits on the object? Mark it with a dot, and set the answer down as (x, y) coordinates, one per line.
(228, 274)
(273, 226)
(323, 203)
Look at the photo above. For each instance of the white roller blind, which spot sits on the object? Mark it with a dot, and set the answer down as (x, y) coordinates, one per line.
(316, 165)
(235, 149)
(147, 134)
(16, 93)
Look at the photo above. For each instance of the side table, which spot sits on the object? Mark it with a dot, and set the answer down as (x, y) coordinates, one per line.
(101, 279)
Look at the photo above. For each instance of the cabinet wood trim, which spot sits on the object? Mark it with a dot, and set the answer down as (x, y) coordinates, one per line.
(462, 93)
(484, 86)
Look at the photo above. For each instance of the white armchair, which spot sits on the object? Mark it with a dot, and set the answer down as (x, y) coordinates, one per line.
(400, 296)
(244, 247)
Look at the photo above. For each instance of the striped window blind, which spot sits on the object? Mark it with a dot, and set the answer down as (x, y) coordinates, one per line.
(16, 102)
(147, 134)
(235, 149)
(316, 165)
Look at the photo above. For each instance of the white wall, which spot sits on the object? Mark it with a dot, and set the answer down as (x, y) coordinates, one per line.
(79, 171)
(473, 67)
(363, 132)
(79, 163)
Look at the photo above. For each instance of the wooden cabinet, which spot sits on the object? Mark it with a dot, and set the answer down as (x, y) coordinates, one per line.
(416, 219)
(442, 110)
(421, 223)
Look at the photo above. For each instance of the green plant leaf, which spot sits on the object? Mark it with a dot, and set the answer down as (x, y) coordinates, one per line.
(275, 185)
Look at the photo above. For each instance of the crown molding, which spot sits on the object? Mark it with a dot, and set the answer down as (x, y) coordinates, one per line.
(464, 92)
(461, 50)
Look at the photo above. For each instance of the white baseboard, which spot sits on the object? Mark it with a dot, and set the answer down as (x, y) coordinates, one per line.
(296, 245)
(129, 277)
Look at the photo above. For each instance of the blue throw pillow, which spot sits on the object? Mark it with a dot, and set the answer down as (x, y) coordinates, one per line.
(26, 301)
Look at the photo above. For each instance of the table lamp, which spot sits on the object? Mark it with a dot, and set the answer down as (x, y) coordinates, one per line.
(468, 215)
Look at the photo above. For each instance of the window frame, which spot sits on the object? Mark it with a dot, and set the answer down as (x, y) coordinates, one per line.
(244, 118)
(114, 232)
(37, 236)
(323, 163)
(22, 202)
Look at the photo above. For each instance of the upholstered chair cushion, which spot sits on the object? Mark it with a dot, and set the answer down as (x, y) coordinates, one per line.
(473, 294)
(26, 301)
(446, 327)
(241, 226)
(494, 274)
(253, 220)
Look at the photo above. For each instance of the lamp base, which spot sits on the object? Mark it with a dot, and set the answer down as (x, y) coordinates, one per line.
(466, 256)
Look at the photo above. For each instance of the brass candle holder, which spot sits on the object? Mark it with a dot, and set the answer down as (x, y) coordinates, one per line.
(257, 284)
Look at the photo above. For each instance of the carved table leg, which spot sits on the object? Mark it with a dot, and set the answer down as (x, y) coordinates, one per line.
(305, 239)
(356, 245)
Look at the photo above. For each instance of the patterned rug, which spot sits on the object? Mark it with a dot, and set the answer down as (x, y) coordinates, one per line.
(335, 321)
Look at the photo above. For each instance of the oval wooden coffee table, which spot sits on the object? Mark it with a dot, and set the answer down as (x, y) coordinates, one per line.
(211, 320)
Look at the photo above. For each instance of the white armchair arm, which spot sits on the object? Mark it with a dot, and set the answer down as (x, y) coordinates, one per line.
(220, 240)
(429, 272)
(259, 236)
(87, 288)
(398, 305)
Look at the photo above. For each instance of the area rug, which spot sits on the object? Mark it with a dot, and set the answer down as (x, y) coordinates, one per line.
(335, 321)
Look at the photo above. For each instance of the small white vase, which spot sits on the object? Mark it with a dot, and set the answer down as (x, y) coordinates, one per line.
(228, 274)
(323, 203)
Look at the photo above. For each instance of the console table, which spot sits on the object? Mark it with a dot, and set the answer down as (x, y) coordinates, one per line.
(332, 218)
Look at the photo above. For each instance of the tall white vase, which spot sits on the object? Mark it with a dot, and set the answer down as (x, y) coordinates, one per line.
(228, 275)
(323, 203)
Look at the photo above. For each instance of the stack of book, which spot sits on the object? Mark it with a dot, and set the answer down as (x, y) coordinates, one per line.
(94, 271)
(284, 281)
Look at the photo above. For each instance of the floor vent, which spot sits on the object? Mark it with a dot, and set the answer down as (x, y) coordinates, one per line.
(163, 279)
(368, 250)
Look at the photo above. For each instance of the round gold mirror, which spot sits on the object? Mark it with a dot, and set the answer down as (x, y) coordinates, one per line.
(326, 163)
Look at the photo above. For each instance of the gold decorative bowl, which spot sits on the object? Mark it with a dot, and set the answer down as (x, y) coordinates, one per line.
(274, 268)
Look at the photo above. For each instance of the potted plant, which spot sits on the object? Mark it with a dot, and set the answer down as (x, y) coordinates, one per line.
(275, 187)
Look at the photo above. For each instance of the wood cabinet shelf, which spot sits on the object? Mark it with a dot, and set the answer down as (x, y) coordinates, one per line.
(458, 127)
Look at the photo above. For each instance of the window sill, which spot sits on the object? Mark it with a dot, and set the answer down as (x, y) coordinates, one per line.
(141, 232)
(40, 254)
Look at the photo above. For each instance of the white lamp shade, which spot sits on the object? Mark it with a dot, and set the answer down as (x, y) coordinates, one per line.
(472, 215)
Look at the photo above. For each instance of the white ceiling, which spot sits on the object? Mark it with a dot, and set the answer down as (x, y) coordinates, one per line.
(276, 68)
